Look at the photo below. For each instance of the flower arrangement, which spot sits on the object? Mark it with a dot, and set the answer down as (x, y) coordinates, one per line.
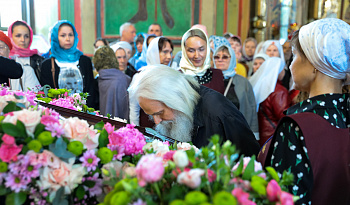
(211, 175)
(47, 160)
(64, 98)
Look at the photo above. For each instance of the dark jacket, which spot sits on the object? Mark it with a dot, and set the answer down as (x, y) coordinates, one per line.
(36, 63)
(217, 81)
(85, 67)
(9, 69)
(271, 111)
(114, 99)
(215, 114)
(130, 70)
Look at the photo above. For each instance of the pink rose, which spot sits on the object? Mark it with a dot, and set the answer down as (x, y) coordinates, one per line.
(286, 198)
(9, 150)
(211, 175)
(242, 197)
(191, 178)
(48, 119)
(149, 169)
(273, 191)
(79, 130)
(257, 166)
(186, 146)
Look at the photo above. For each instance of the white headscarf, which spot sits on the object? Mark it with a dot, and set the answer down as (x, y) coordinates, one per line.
(276, 43)
(265, 78)
(261, 55)
(185, 64)
(326, 44)
(153, 52)
(124, 45)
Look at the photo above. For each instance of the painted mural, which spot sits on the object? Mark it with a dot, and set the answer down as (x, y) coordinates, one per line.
(175, 17)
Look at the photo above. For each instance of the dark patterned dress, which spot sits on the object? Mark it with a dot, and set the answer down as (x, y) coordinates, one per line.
(289, 150)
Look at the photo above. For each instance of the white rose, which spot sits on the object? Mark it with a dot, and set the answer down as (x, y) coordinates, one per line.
(180, 159)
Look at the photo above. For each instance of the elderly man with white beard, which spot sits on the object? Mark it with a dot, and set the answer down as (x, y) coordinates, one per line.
(188, 112)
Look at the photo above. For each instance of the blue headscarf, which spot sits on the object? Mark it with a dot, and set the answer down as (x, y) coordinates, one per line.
(142, 60)
(64, 55)
(138, 54)
(220, 42)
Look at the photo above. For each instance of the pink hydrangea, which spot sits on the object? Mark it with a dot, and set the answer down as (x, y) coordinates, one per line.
(149, 169)
(129, 138)
(64, 102)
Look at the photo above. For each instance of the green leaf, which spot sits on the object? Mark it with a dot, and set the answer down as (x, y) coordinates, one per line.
(59, 198)
(60, 149)
(249, 169)
(80, 192)
(16, 198)
(21, 105)
(239, 169)
(11, 129)
(39, 129)
(103, 139)
(3, 190)
(89, 183)
(99, 125)
(258, 187)
(18, 97)
(273, 173)
(21, 128)
(10, 107)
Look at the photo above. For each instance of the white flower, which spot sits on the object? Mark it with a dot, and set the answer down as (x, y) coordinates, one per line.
(326, 117)
(292, 147)
(297, 128)
(300, 175)
(299, 156)
(301, 195)
(302, 137)
(180, 158)
(305, 150)
(341, 99)
(335, 102)
(276, 165)
(281, 133)
(306, 165)
(322, 103)
(276, 143)
(335, 116)
(295, 187)
(191, 178)
(273, 157)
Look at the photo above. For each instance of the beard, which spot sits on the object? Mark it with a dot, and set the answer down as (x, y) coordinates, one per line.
(179, 129)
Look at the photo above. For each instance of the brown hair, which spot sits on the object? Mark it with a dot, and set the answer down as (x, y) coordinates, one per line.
(296, 44)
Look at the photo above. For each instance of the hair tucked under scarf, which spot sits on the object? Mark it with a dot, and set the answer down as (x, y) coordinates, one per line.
(21, 52)
(185, 64)
(220, 42)
(64, 55)
(273, 42)
(326, 44)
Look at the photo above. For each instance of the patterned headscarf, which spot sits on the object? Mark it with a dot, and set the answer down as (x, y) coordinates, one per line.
(21, 52)
(64, 55)
(326, 44)
(185, 64)
(220, 42)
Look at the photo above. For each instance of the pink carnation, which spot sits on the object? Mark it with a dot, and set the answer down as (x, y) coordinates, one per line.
(211, 175)
(273, 191)
(242, 197)
(149, 169)
(9, 150)
(109, 128)
(286, 198)
(47, 119)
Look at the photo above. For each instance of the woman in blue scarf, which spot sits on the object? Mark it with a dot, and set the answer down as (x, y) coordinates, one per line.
(67, 67)
(237, 88)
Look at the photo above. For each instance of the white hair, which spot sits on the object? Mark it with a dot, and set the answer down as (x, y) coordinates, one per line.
(124, 26)
(164, 84)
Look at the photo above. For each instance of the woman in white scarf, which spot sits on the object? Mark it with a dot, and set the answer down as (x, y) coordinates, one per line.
(270, 96)
(160, 51)
(195, 60)
(321, 66)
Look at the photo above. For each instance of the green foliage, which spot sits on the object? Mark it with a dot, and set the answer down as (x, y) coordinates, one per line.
(60, 149)
(16, 198)
(103, 139)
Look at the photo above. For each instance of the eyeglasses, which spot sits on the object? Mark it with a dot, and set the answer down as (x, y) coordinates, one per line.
(222, 58)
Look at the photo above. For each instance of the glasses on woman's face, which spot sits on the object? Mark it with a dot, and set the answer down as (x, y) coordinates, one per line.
(224, 57)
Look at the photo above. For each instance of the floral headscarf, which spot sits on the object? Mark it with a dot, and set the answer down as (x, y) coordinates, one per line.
(220, 42)
(21, 52)
(64, 55)
(326, 44)
(185, 64)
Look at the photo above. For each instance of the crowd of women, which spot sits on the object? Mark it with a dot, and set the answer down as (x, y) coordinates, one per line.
(260, 80)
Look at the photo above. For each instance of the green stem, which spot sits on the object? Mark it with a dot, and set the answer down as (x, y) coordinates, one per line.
(156, 187)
